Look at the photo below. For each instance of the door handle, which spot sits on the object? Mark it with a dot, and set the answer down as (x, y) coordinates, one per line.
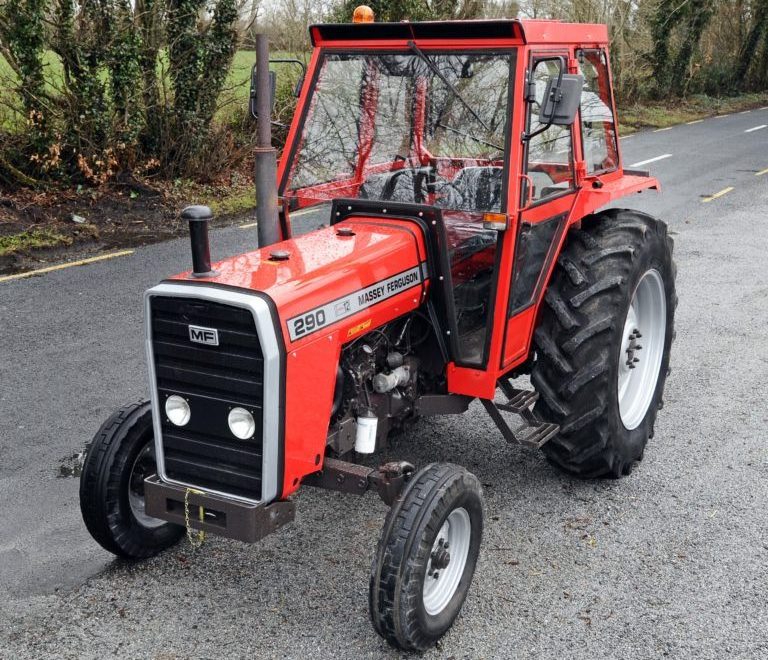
(529, 191)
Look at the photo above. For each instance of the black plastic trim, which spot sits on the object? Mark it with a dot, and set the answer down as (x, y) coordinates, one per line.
(431, 224)
(480, 29)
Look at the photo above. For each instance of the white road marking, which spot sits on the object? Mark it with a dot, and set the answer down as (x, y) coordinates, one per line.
(745, 112)
(668, 128)
(756, 128)
(762, 172)
(651, 160)
(695, 121)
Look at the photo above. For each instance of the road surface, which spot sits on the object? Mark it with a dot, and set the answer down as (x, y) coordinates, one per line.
(671, 561)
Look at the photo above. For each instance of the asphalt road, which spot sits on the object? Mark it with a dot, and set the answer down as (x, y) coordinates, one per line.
(670, 561)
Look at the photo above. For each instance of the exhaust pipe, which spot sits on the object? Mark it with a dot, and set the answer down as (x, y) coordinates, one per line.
(266, 155)
(198, 218)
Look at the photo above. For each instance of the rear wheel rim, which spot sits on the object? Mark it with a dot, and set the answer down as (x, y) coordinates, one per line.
(143, 466)
(642, 349)
(447, 561)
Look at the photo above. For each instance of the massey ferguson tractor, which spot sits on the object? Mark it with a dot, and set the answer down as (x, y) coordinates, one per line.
(459, 169)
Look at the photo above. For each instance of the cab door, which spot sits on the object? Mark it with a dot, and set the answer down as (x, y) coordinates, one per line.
(548, 191)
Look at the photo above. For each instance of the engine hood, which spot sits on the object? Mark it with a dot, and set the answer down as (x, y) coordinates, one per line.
(332, 279)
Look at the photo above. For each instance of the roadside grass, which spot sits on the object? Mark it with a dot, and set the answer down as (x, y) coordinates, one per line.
(233, 200)
(663, 114)
(35, 239)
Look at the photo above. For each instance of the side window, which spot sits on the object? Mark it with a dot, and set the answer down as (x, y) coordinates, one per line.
(598, 129)
(549, 164)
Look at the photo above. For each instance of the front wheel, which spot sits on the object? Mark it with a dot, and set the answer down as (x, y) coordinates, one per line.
(426, 557)
(119, 458)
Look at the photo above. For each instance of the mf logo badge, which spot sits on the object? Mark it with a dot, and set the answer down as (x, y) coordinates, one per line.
(201, 335)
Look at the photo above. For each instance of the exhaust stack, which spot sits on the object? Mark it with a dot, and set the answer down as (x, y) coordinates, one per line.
(198, 218)
(266, 154)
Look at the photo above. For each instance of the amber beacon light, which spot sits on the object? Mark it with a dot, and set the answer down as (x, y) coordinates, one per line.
(362, 14)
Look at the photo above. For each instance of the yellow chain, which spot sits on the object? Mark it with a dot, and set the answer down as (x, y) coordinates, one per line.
(196, 536)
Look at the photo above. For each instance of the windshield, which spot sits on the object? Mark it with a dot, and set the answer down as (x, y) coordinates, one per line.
(418, 127)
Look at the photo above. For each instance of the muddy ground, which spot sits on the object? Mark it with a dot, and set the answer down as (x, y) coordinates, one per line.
(37, 228)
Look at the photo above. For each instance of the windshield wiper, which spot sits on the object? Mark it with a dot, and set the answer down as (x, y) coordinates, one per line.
(436, 70)
(470, 136)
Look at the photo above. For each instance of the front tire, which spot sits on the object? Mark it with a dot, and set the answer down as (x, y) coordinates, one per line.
(426, 557)
(118, 459)
(603, 342)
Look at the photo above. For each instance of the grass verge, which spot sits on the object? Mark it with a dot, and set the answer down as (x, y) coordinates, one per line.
(36, 239)
(667, 113)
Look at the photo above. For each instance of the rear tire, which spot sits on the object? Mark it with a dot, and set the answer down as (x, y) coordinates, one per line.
(426, 557)
(598, 293)
(118, 458)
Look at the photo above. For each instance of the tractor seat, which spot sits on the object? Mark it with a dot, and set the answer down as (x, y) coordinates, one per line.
(476, 188)
(405, 185)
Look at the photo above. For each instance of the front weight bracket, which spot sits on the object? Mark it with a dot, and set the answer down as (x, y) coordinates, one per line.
(388, 480)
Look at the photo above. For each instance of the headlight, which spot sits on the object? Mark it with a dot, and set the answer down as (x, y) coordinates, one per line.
(177, 410)
(241, 423)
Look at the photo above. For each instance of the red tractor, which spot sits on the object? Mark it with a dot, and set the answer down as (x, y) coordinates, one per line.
(458, 168)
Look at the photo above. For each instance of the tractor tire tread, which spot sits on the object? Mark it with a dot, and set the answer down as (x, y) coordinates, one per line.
(100, 480)
(577, 335)
(395, 587)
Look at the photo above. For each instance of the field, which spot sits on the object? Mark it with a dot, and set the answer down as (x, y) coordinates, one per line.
(234, 98)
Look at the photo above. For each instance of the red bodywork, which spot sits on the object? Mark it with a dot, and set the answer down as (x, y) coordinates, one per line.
(324, 266)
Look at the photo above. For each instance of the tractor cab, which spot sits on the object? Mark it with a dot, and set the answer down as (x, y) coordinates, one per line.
(477, 122)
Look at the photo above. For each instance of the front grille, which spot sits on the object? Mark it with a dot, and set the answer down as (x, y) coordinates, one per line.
(214, 379)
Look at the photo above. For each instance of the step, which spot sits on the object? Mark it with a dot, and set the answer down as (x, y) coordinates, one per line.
(519, 401)
(533, 432)
(537, 436)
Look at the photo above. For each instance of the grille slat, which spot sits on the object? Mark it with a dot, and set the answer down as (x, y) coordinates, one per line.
(180, 330)
(213, 379)
(211, 447)
(202, 311)
(179, 466)
(206, 378)
(235, 360)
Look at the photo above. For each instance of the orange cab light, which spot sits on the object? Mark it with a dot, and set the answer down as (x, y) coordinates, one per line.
(495, 221)
(362, 14)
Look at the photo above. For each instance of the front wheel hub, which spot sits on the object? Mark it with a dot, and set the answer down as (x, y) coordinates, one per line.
(447, 561)
(441, 557)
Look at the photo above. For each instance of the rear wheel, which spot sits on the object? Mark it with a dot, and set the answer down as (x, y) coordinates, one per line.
(426, 556)
(603, 342)
(119, 458)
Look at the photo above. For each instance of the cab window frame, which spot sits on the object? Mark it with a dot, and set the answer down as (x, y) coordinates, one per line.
(603, 54)
(525, 203)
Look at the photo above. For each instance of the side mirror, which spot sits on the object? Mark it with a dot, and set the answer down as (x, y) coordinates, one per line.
(252, 102)
(299, 85)
(273, 83)
(561, 100)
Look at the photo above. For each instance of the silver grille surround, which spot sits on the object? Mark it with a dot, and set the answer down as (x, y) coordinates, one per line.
(265, 330)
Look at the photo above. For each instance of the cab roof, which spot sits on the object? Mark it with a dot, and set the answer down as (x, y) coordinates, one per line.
(482, 32)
